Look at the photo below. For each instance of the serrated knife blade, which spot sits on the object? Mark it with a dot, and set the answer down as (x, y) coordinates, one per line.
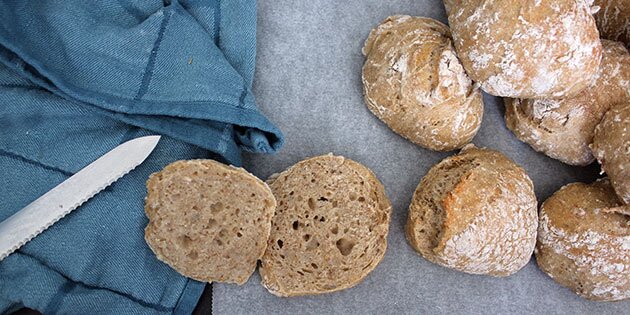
(40, 214)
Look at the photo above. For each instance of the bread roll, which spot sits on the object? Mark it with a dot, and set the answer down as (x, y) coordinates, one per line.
(611, 146)
(584, 241)
(613, 20)
(329, 230)
(208, 221)
(475, 212)
(526, 49)
(414, 82)
(563, 128)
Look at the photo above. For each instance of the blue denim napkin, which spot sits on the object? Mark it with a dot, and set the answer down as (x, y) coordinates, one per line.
(78, 78)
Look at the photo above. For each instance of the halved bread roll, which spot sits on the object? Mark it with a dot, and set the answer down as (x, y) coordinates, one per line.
(207, 220)
(329, 230)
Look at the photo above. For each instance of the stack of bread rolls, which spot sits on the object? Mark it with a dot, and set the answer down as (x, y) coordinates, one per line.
(567, 94)
(321, 225)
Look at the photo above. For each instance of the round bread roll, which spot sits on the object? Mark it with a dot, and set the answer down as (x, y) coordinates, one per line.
(563, 128)
(207, 220)
(613, 20)
(330, 227)
(611, 146)
(526, 49)
(584, 241)
(414, 83)
(475, 212)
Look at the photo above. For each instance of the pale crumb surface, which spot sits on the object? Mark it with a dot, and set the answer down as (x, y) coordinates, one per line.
(329, 230)
(207, 220)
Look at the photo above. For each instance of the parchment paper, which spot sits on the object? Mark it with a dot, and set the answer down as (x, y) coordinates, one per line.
(308, 81)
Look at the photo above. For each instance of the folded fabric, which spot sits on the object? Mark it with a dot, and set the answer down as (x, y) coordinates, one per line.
(78, 78)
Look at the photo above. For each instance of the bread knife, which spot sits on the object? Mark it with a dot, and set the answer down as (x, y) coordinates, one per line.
(46, 210)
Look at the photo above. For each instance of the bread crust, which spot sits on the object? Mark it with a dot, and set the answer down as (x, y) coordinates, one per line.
(613, 20)
(330, 227)
(486, 214)
(208, 221)
(526, 49)
(611, 146)
(563, 129)
(584, 241)
(413, 81)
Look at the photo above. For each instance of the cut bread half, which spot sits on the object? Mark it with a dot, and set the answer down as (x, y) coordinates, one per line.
(329, 230)
(207, 220)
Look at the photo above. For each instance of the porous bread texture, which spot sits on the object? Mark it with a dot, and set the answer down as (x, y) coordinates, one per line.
(526, 49)
(208, 221)
(611, 147)
(474, 212)
(584, 241)
(329, 230)
(563, 128)
(413, 81)
(613, 20)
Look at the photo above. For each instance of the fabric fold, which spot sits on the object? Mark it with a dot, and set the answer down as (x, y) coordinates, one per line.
(171, 68)
(79, 78)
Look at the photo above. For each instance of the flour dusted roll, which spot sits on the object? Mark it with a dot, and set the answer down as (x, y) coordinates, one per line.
(563, 128)
(611, 146)
(584, 241)
(613, 20)
(475, 212)
(526, 49)
(414, 83)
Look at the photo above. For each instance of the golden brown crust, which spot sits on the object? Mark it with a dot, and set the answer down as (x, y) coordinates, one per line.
(584, 241)
(414, 83)
(611, 146)
(330, 227)
(613, 20)
(526, 49)
(474, 212)
(207, 220)
(563, 128)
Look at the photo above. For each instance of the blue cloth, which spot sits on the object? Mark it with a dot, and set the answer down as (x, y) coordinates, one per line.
(78, 78)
